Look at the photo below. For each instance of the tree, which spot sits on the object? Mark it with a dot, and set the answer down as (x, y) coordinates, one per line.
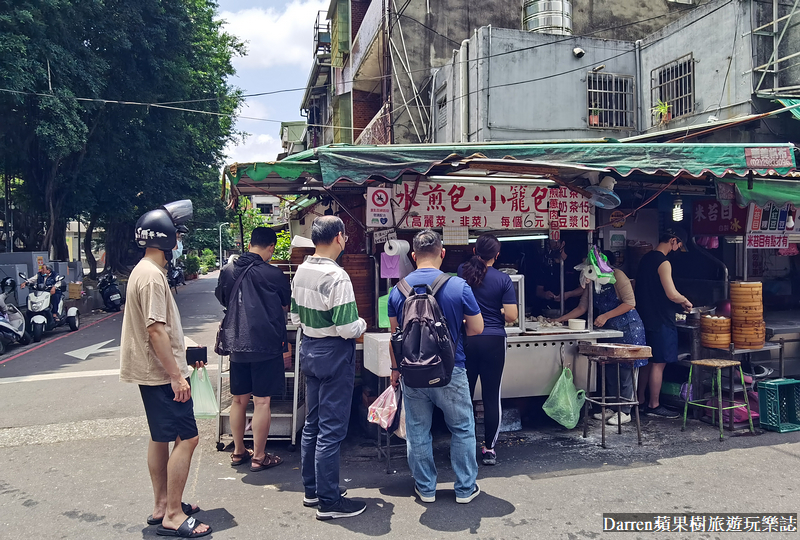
(106, 161)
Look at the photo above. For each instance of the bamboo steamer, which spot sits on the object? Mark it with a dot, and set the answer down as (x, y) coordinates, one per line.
(745, 285)
(710, 325)
(715, 341)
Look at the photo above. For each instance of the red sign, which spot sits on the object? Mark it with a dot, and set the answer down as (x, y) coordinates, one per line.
(764, 241)
(768, 158)
(711, 218)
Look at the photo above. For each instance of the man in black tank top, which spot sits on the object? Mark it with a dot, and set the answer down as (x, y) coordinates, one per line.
(657, 301)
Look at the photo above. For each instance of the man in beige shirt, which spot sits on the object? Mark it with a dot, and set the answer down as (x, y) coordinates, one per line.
(153, 356)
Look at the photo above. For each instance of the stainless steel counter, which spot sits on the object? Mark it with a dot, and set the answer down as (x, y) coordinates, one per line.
(533, 360)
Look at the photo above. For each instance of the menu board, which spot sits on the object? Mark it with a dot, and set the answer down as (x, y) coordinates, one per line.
(481, 206)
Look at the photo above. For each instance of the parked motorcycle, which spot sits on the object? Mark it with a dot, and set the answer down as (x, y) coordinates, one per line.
(175, 276)
(40, 315)
(12, 321)
(109, 290)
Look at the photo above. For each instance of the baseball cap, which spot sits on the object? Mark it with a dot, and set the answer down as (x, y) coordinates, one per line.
(678, 234)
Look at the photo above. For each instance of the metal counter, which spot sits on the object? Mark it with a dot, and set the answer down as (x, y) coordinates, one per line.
(533, 360)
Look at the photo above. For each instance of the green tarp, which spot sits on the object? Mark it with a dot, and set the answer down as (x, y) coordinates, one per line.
(360, 163)
(788, 102)
(766, 191)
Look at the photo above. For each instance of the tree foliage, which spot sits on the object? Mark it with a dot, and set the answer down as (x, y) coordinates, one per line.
(107, 161)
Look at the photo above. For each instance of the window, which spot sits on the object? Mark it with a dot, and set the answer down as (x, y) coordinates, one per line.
(610, 101)
(266, 209)
(672, 90)
(441, 113)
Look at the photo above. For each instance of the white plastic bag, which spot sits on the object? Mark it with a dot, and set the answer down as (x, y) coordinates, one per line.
(401, 427)
(383, 409)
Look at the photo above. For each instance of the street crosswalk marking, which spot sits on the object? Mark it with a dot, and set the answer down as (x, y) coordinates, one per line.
(72, 375)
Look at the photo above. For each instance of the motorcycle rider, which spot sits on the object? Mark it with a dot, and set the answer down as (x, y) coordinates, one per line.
(48, 277)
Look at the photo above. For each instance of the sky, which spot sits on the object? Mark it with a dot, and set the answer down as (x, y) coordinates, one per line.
(278, 35)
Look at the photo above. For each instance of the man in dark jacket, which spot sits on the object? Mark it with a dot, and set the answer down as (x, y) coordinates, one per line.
(255, 331)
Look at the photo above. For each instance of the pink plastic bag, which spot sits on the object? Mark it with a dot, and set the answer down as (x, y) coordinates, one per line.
(740, 412)
(383, 409)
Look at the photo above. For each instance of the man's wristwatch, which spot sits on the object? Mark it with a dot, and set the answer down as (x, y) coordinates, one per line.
(395, 369)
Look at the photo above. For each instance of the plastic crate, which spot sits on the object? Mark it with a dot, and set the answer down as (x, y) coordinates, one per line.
(779, 405)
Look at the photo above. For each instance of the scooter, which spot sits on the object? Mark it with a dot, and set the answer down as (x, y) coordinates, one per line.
(175, 276)
(112, 297)
(12, 321)
(39, 313)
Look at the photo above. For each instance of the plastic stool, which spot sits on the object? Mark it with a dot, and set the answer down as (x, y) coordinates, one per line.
(604, 400)
(716, 382)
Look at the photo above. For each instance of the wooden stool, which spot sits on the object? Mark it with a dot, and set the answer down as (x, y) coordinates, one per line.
(716, 382)
(604, 400)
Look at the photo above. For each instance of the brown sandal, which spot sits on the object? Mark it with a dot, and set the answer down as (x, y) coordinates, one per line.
(241, 459)
(268, 462)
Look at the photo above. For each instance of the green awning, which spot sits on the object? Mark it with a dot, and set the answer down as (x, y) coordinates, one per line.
(789, 102)
(359, 164)
(766, 191)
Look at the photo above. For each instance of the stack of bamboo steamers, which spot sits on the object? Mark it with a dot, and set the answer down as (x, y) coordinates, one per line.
(747, 313)
(715, 332)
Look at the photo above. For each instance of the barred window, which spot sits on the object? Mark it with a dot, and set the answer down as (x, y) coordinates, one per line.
(441, 113)
(611, 101)
(672, 90)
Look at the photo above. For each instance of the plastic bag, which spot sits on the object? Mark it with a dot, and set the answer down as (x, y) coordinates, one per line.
(565, 401)
(205, 401)
(401, 425)
(383, 409)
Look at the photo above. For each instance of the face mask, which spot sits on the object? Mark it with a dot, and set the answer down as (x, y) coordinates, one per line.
(176, 253)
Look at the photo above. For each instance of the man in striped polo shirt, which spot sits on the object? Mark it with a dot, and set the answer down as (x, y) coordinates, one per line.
(324, 305)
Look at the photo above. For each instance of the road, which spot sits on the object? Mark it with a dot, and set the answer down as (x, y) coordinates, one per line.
(73, 441)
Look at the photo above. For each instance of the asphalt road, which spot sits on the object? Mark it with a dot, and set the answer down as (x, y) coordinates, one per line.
(73, 464)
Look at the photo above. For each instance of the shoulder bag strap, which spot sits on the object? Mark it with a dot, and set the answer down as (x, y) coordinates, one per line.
(439, 282)
(238, 282)
(404, 287)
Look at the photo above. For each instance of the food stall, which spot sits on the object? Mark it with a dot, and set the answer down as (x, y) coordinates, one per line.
(519, 191)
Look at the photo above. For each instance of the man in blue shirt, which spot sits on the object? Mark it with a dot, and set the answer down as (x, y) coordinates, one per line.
(458, 304)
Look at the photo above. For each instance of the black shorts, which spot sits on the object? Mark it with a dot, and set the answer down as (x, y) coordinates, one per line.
(264, 378)
(168, 419)
(663, 342)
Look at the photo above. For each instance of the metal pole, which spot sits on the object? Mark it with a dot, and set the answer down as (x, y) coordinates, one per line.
(6, 230)
(78, 248)
(241, 232)
(561, 271)
(590, 313)
(220, 246)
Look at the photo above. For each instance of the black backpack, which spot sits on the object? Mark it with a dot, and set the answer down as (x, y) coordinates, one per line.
(422, 344)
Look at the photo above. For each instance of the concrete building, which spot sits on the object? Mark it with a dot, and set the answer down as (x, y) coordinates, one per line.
(545, 69)
(712, 65)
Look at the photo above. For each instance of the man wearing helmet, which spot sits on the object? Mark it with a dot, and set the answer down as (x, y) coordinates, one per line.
(153, 356)
(48, 277)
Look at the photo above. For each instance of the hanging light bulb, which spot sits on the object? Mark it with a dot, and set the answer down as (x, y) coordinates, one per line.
(677, 210)
(790, 219)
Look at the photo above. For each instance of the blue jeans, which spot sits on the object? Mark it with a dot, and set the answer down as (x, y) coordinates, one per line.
(456, 404)
(329, 367)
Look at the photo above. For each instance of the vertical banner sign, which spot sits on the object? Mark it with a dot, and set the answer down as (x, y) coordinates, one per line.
(480, 206)
(379, 207)
(766, 226)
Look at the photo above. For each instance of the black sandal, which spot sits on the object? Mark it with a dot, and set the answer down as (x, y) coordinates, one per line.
(268, 462)
(187, 508)
(241, 459)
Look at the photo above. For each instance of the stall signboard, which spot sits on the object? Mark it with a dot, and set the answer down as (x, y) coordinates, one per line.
(710, 217)
(479, 206)
(767, 226)
(379, 208)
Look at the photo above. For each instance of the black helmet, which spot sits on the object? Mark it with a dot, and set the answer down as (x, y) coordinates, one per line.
(157, 228)
(7, 284)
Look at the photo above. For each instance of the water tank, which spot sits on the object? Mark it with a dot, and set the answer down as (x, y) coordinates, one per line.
(547, 16)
